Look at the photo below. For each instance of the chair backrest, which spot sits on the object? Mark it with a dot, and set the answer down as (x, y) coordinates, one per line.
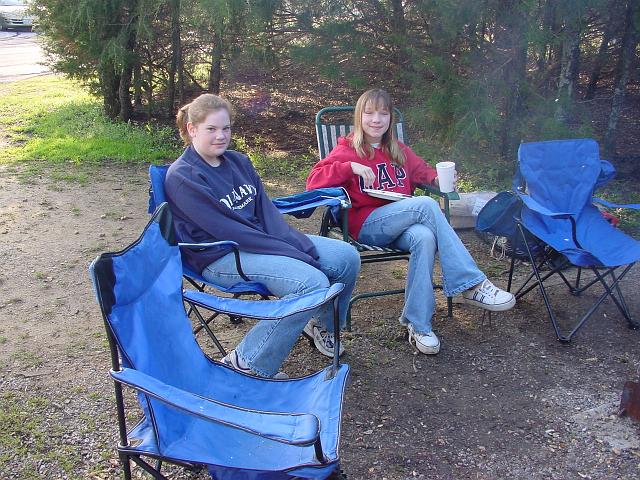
(335, 122)
(559, 174)
(140, 293)
(157, 174)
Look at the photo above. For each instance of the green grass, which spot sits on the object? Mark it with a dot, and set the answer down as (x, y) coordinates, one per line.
(54, 119)
(623, 191)
(24, 433)
(274, 164)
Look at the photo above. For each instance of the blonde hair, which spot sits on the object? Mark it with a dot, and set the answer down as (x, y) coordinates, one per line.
(378, 99)
(196, 112)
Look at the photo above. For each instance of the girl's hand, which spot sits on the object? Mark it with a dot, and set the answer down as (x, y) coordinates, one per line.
(436, 182)
(365, 172)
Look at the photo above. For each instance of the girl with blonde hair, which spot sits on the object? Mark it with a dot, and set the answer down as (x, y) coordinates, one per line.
(371, 157)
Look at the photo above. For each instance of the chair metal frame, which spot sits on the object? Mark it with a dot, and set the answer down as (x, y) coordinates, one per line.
(327, 135)
(142, 442)
(546, 262)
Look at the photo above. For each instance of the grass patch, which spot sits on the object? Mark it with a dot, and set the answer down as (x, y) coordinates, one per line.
(24, 433)
(621, 192)
(54, 119)
(27, 359)
(273, 165)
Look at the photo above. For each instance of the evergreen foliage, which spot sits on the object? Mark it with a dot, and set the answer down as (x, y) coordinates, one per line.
(473, 76)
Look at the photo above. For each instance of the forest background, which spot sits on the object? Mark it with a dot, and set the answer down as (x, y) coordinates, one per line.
(474, 79)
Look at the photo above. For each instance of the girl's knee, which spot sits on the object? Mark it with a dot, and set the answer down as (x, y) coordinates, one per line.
(428, 203)
(351, 255)
(421, 236)
(313, 281)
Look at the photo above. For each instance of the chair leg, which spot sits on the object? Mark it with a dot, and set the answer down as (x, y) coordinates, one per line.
(126, 466)
(360, 296)
(610, 291)
(522, 291)
(213, 337)
(619, 300)
(543, 292)
(511, 269)
(149, 469)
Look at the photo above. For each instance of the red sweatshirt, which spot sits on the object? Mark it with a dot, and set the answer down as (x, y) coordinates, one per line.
(335, 171)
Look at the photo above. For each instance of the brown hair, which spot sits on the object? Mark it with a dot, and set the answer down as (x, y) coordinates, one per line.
(379, 99)
(196, 111)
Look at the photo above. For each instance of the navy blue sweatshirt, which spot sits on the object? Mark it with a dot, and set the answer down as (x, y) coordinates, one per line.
(228, 202)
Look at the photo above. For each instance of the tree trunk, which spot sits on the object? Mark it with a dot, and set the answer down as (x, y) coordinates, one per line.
(176, 54)
(109, 84)
(124, 91)
(599, 61)
(149, 91)
(137, 85)
(567, 82)
(124, 94)
(548, 24)
(400, 41)
(215, 74)
(629, 42)
(513, 40)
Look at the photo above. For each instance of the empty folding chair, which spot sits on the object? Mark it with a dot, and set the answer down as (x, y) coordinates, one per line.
(560, 226)
(195, 411)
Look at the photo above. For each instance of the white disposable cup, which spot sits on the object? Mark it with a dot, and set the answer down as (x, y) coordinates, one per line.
(446, 176)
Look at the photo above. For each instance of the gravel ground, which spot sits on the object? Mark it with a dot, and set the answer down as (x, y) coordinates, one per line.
(504, 400)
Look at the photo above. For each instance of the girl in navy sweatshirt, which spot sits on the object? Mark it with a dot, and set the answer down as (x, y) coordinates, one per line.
(216, 194)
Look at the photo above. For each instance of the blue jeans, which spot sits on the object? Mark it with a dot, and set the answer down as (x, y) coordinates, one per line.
(418, 226)
(265, 347)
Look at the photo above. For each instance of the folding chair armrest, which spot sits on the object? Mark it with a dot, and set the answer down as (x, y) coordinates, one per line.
(303, 204)
(300, 429)
(537, 207)
(229, 244)
(264, 310)
(433, 190)
(634, 206)
(224, 243)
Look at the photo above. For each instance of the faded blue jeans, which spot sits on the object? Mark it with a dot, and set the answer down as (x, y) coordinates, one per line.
(265, 347)
(418, 226)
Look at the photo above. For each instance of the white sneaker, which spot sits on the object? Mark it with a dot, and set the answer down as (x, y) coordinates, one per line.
(322, 339)
(426, 343)
(486, 295)
(234, 361)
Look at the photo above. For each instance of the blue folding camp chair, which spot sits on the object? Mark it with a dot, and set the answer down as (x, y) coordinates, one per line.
(560, 227)
(195, 411)
(331, 124)
(300, 205)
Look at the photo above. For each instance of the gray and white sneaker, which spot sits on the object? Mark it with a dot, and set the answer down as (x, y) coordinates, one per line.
(426, 343)
(486, 295)
(233, 360)
(323, 340)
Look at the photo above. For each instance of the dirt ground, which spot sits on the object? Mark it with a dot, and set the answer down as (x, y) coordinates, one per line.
(505, 400)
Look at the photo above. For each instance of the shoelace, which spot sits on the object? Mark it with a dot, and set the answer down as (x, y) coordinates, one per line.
(489, 289)
(499, 243)
(327, 338)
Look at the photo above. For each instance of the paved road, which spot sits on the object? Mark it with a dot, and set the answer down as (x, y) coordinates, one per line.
(20, 56)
